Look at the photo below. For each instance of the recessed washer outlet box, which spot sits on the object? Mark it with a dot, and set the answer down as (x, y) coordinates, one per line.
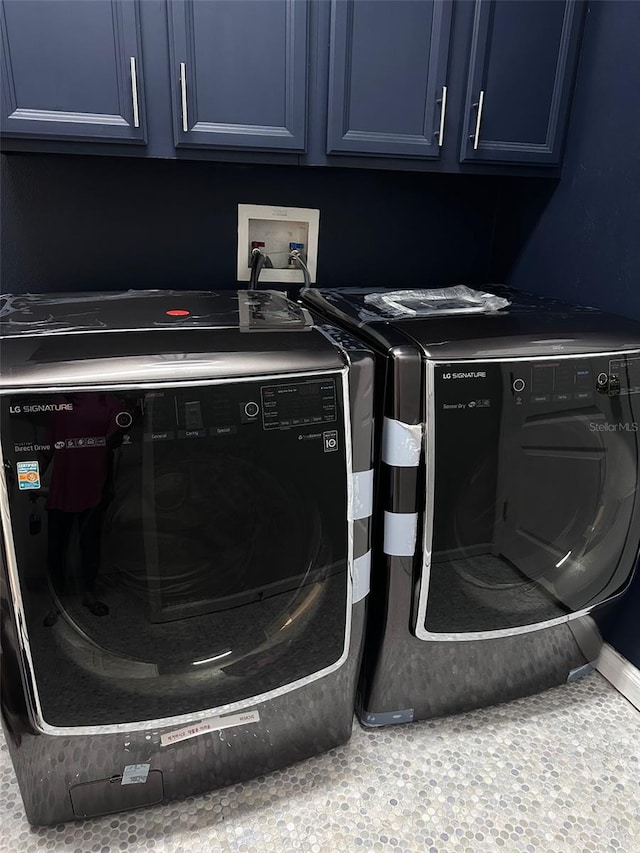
(276, 227)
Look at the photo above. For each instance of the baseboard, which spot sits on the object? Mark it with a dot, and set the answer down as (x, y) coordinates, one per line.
(622, 674)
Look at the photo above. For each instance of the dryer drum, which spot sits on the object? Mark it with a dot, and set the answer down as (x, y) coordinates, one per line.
(588, 478)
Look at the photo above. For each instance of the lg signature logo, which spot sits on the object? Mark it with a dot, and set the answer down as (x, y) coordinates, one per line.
(41, 407)
(474, 374)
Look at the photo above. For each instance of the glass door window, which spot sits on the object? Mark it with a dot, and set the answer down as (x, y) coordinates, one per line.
(178, 548)
(534, 472)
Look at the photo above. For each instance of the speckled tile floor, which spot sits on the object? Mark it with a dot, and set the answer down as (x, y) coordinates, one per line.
(555, 772)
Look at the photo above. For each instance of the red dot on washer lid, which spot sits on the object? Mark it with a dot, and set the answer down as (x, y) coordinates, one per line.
(178, 312)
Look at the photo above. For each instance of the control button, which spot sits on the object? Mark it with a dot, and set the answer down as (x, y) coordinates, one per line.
(583, 377)
(603, 379)
(158, 436)
(124, 419)
(226, 430)
(251, 409)
(541, 398)
(192, 433)
(583, 395)
(519, 385)
(561, 398)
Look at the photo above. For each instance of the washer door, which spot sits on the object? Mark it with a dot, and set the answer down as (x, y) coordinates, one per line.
(194, 541)
(534, 477)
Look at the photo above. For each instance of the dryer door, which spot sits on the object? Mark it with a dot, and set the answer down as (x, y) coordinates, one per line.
(193, 540)
(531, 506)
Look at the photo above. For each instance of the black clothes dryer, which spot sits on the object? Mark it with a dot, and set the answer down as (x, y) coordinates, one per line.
(506, 515)
(185, 493)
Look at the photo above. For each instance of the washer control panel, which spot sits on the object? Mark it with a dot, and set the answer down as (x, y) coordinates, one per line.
(302, 403)
(224, 409)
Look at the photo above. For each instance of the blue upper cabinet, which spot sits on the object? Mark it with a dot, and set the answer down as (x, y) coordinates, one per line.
(72, 70)
(239, 73)
(430, 85)
(523, 61)
(388, 77)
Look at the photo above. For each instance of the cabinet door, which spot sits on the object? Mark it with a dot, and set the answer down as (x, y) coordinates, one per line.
(522, 70)
(239, 73)
(387, 77)
(72, 70)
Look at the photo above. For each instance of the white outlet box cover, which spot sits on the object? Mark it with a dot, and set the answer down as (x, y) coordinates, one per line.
(278, 226)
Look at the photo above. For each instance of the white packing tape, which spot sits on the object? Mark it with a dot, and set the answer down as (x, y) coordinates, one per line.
(213, 724)
(401, 443)
(362, 494)
(400, 533)
(361, 575)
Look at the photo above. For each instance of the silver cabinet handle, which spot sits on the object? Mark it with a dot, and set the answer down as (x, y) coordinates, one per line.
(476, 136)
(443, 109)
(134, 92)
(183, 89)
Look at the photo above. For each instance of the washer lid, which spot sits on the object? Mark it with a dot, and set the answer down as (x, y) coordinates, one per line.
(76, 340)
(134, 310)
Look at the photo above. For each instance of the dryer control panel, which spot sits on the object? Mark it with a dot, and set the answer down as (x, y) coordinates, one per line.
(624, 375)
(537, 385)
(564, 381)
(560, 381)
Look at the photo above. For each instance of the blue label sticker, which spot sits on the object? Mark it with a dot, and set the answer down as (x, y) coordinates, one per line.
(28, 475)
(135, 774)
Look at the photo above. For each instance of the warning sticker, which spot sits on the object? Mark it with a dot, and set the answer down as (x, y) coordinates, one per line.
(28, 475)
(213, 724)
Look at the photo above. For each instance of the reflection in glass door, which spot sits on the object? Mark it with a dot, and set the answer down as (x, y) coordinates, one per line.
(534, 487)
(190, 548)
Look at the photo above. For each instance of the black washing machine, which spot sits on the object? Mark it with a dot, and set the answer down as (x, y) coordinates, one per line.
(185, 492)
(506, 512)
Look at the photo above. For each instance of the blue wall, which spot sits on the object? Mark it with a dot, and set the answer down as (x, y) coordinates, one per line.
(90, 222)
(585, 244)
(582, 241)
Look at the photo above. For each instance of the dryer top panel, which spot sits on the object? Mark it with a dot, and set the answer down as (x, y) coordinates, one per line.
(135, 310)
(531, 326)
